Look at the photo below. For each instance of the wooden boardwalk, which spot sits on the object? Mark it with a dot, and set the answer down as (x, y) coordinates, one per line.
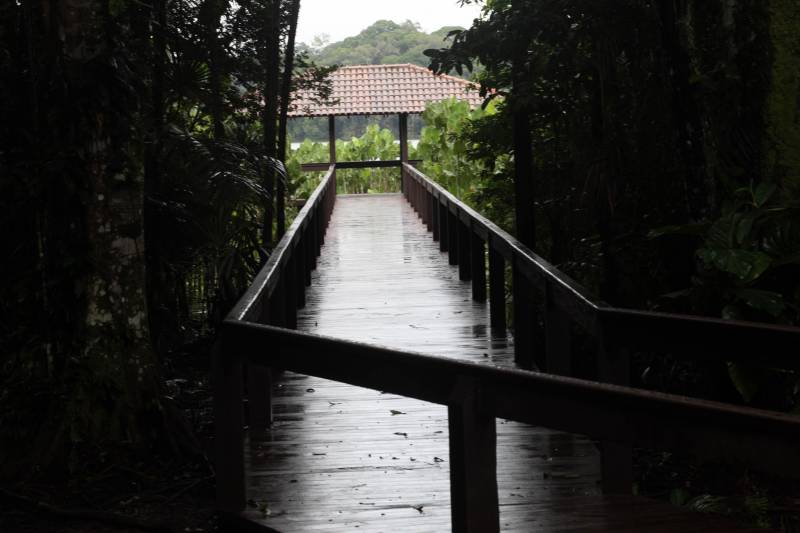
(343, 458)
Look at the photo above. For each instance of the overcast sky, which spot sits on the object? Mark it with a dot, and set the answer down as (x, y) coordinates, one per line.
(345, 18)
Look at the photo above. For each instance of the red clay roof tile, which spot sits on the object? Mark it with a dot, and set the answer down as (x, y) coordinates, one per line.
(385, 89)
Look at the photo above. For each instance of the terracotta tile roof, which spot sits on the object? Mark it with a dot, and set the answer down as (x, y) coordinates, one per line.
(385, 89)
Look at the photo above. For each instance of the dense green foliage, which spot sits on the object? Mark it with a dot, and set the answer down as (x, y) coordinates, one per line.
(376, 144)
(348, 127)
(636, 133)
(663, 138)
(135, 175)
(383, 43)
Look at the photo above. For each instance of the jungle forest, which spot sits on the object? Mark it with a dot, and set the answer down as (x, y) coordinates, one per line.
(176, 279)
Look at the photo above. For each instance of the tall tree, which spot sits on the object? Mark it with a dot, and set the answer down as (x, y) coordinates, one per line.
(286, 89)
(271, 91)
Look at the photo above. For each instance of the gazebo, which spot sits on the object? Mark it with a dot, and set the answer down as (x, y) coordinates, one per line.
(382, 90)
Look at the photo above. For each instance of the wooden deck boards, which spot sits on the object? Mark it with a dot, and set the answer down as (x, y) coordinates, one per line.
(343, 458)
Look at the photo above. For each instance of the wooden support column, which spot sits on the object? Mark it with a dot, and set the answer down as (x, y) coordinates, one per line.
(473, 462)
(497, 290)
(452, 236)
(289, 290)
(464, 257)
(444, 224)
(478, 259)
(429, 201)
(229, 429)
(435, 217)
(300, 273)
(524, 318)
(259, 377)
(308, 254)
(313, 233)
(332, 139)
(613, 366)
(403, 117)
(558, 337)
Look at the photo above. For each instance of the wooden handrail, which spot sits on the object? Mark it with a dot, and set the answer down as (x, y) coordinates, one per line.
(392, 163)
(258, 332)
(268, 277)
(771, 346)
(273, 298)
(764, 439)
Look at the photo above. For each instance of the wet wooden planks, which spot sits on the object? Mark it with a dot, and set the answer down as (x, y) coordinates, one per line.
(343, 458)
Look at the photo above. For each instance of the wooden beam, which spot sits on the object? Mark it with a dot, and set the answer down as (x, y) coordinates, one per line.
(767, 440)
(229, 429)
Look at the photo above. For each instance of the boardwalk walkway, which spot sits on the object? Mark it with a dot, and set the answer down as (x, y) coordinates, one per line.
(343, 458)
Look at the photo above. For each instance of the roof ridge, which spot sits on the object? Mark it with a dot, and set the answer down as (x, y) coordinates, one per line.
(412, 65)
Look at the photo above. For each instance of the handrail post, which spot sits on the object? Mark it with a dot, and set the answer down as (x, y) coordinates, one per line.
(429, 209)
(613, 366)
(444, 225)
(478, 267)
(228, 428)
(313, 232)
(473, 462)
(497, 290)
(435, 217)
(524, 318)
(464, 256)
(558, 338)
(259, 379)
(289, 289)
(452, 236)
(300, 272)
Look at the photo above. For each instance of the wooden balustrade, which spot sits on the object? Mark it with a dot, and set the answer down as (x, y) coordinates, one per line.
(566, 303)
(258, 333)
(274, 297)
(476, 394)
(543, 296)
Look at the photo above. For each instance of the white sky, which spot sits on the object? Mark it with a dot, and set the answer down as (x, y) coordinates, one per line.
(345, 18)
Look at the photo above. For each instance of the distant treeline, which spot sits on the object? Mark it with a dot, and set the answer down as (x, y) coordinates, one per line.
(383, 43)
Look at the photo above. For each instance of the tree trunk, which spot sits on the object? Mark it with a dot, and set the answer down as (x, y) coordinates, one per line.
(286, 90)
(112, 384)
(699, 189)
(270, 117)
(523, 162)
(211, 13)
(161, 285)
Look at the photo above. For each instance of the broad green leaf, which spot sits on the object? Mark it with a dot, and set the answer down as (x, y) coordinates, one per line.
(746, 380)
(763, 193)
(746, 265)
(744, 227)
(766, 301)
(682, 229)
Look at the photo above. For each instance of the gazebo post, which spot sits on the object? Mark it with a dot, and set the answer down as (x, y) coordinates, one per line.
(403, 148)
(332, 138)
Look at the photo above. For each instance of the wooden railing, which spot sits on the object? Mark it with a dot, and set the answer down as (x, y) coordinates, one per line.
(274, 297)
(258, 332)
(465, 234)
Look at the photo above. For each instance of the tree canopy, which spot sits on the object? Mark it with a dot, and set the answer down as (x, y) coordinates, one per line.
(383, 43)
